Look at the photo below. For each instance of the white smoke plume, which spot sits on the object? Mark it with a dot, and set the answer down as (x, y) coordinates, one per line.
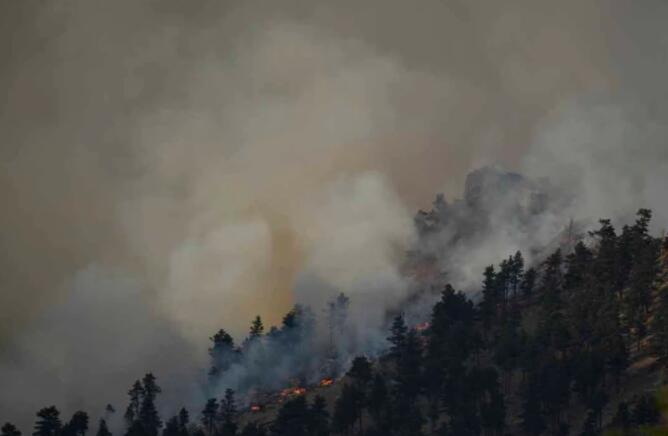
(170, 167)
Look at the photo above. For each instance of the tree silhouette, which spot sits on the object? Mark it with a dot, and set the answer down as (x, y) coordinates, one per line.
(8, 429)
(228, 414)
(102, 429)
(48, 422)
(77, 426)
(148, 414)
(210, 416)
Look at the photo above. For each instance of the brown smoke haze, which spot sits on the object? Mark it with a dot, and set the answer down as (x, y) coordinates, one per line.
(172, 167)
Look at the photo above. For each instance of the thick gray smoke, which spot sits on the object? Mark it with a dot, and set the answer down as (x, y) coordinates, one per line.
(173, 167)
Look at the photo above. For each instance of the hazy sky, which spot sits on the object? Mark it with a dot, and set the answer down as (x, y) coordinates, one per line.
(170, 167)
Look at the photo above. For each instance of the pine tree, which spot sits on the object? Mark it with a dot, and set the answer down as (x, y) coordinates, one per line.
(659, 321)
(528, 282)
(253, 429)
(533, 420)
(256, 329)
(318, 422)
(228, 414)
(516, 271)
(590, 427)
(409, 367)
(292, 418)
(490, 399)
(622, 419)
(604, 267)
(222, 353)
(210, 416)
(8, 429)
(148, 414)
(360, 371)
(378, 401)
(102, 429)
(48, 423)
(489, 297)
(136, 393)
(171, 427)
(577, 287)
(646, 411)
(184, 420)
(551, 282)
(645, 253)
(77, 426)
(398, 336)
(346, 409)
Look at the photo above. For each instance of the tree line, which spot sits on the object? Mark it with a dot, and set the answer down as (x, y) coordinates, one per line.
(543, 341)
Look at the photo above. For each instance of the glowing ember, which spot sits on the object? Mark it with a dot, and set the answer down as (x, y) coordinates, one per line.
(292, 391)
(326, 382)
(255, 408)
(422, 326)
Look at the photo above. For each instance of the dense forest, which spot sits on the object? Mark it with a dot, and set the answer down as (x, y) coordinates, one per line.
(573, 344)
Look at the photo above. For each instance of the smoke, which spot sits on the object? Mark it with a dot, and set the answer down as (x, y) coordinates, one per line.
(612, 155)
(204, 162)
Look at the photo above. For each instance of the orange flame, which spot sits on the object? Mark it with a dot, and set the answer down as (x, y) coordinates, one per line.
(422, 326)
(292, 391)
(326, 382)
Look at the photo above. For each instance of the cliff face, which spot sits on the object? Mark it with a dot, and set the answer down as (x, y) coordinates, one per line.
(488, 187)
(488, 192)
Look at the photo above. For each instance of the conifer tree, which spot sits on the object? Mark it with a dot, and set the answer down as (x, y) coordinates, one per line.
(379, 401)
(292, 418)
(533, 420)
(318, 422)
(184, 420)
(257, 328)
(48, 422)
(360, 371)
(646, 411)
(228, 414)
(659, 320)
(644, 267)
(528, 282)
(516, 272)
(9, 429)
(222, 353)
(102, 429)
(253, 429)
(210, 416)
(77, 426)
(148, 414)
(346, 409)
(171, 427)
(136, 394)
(397, 336)
(489, 297)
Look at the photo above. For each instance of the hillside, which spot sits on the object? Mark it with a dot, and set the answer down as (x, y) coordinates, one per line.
(540, 354)
(569, 338)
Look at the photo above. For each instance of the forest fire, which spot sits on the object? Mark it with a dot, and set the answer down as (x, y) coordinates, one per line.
(423, 326)
(255, 408)
(288, 392)
(325, 382)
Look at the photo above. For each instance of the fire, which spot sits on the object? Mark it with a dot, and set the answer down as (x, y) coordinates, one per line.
(255, 408)
(326, 382)
(422, 326)
(292, 391)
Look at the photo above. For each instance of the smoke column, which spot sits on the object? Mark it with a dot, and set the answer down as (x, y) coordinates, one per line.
(171, 167)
